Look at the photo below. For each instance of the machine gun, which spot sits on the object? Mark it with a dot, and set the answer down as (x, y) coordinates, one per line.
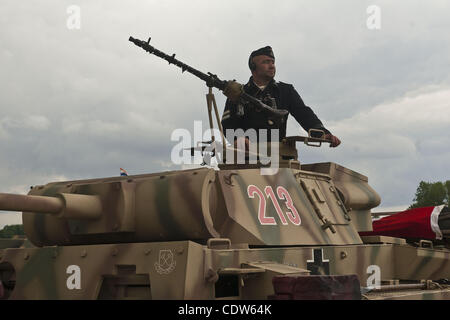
(228, 87)
(231, 89)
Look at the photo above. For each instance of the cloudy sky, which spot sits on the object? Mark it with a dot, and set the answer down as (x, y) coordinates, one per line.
(82, 102)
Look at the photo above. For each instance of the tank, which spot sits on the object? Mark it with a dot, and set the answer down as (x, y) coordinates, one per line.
(209, 234)
(215, 234)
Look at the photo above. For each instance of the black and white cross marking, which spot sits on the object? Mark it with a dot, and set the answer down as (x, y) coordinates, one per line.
(318, 265)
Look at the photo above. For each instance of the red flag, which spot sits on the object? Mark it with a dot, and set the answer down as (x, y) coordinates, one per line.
(419, 223)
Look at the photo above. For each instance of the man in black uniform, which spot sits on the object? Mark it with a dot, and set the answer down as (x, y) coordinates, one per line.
(277, 95)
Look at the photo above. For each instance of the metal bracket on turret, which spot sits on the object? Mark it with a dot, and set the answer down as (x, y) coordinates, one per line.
(227, 179)
(327, 224)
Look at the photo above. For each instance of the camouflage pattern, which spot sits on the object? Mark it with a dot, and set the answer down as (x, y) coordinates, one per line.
(206, 234)
(188, 270)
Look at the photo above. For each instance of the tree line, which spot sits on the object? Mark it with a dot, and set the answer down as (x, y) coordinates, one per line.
(430, 194)
(11, 230)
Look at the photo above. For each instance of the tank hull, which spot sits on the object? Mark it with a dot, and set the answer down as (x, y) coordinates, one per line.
(207, 235)
(220, 270)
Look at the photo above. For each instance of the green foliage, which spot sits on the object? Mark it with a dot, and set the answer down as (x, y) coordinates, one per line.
(12, 230)
(431, 194)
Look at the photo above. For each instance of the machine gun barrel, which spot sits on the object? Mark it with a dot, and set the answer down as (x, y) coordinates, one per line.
(211, 79)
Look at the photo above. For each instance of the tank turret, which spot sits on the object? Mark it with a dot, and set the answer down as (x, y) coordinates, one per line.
(151, 207)
(237, 202)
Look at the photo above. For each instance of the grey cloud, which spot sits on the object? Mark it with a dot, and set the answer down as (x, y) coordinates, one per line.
(82, 103)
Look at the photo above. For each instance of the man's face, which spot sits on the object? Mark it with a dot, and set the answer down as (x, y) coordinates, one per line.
(265, 67)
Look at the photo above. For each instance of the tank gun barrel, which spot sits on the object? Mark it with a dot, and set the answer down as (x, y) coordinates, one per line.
(40, 204)
(64, 205)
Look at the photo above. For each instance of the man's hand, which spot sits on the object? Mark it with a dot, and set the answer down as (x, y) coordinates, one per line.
(334, 140)
(233, 90)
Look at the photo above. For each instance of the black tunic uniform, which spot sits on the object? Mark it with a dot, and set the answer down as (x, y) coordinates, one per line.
(277, 95)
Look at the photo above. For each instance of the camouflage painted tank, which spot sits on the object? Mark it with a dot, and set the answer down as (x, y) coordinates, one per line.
(231, 233)
(207, 234)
